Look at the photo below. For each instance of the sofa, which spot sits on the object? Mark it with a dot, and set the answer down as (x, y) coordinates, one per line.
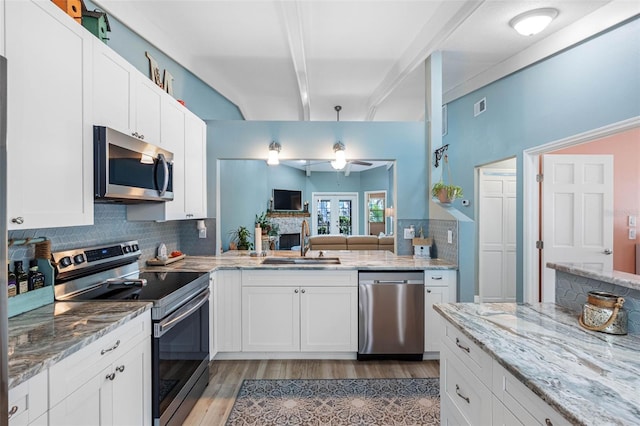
(351, 242)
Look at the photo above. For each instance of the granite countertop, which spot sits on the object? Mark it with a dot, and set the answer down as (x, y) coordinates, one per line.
(591, 378)
(362, 260)
(41, 337)
(623, 279)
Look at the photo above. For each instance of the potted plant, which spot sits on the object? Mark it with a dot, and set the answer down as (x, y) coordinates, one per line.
(241, 238)
(265, 224)
(446, 193)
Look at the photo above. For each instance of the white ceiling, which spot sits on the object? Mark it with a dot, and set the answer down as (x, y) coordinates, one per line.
(297, 59)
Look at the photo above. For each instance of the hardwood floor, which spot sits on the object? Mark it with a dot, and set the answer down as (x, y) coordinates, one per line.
(227, 376)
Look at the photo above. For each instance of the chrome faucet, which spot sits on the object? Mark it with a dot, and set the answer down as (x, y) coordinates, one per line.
(304, 240)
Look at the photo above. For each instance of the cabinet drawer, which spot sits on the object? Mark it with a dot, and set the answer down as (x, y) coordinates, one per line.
(521, 401)
(478, 361)
(71, 372)
(464, 390)
(28, 400)
(439, 277)
(300, 278)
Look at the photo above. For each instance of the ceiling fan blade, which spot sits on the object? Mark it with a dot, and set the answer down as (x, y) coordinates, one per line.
(361, 163)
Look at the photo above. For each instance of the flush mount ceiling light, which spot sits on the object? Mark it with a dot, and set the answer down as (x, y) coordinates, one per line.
(274, 150)
(533, 21)
(340, 161)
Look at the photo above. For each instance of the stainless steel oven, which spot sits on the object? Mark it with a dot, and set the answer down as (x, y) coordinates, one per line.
(180, 315)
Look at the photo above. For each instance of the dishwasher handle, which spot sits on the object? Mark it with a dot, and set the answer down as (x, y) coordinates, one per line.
(370, 282)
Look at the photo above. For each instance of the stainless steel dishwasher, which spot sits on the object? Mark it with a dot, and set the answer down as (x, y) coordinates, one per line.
(391, 315)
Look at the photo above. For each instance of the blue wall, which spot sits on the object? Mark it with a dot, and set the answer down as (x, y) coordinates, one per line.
(591, 85)
(199, 97)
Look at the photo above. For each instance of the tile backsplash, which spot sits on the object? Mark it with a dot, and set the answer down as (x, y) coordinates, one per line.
(437, 230)
(111, 225)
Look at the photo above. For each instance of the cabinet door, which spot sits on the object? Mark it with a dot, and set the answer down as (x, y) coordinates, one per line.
(148, 98)
(228, 311)
(90, 404)
(49, 119)
(172, 138)
(432, 322)
(195, 178)
(329, 319)
(270, 319)
(132, 386)
(112, 93)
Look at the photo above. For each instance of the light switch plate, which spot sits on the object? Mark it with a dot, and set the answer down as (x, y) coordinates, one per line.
(450, 236)
(632, 233)
(632, 220)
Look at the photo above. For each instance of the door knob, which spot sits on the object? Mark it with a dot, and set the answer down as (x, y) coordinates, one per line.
(608, 251)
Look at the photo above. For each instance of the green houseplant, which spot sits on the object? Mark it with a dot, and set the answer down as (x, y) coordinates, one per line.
(446, 193)
(268, 227)
(241, 238)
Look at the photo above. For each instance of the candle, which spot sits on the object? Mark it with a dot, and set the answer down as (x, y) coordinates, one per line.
(257, 239)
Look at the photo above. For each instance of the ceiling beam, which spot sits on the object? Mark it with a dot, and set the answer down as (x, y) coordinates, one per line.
(295, 37)
(447, 18)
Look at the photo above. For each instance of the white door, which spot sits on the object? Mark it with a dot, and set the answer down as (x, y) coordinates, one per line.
(329, 319)
(497, 239)
(577, 219)
(336, 213)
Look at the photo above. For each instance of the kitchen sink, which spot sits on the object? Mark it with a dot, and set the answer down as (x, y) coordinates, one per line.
(301, 261)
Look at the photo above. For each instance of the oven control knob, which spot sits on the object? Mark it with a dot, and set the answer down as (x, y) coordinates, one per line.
(78, 259)
(65, 261)
(126, 249)
(135, 247)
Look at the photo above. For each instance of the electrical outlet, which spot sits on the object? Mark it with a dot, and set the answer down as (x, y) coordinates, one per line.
(409, 233)
(450, 236)
(202, 233)
(632, 233)
(632, 221)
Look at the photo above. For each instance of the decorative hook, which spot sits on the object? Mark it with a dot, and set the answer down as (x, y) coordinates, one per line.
(439, 153)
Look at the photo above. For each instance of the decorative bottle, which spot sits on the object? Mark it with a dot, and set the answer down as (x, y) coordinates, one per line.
(36, 278)
(22, 279)
(12, 288)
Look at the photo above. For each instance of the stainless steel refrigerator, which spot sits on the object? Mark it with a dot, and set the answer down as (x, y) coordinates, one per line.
(3, 243)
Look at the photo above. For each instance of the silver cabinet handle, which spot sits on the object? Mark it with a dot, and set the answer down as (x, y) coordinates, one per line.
(142, 137)
(104, 351)
(110, 376)
(428, 291)
(548, 422)
(466, 398)
(303, 290)
(18, 220)
(464, 348)
(13, 410)
(439, 278)
(120, 369)
(608, 251)
(295, 291)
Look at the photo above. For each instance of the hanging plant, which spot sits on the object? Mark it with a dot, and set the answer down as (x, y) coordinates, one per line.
(446, 193)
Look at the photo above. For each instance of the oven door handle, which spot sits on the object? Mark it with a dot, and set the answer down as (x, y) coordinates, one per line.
(172, 320)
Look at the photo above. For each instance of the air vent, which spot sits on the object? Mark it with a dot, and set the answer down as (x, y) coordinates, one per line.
(479, 107)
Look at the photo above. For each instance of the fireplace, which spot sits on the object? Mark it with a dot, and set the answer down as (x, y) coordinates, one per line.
(289, 240)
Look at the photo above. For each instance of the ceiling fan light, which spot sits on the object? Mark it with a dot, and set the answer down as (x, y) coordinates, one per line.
(274, 150)
(341, 160)
(533, 21)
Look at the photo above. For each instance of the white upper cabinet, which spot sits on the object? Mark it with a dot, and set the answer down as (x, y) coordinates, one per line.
(124, 99)
(195, 166)
(49, 130)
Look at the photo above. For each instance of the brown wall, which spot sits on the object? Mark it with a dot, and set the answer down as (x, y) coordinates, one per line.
(625, 148)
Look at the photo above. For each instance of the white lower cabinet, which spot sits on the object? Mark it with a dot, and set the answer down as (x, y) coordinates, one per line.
(28, 402)
(439, 287)
(106, 383)
(293, 311)
(227, 311)
(476, 390)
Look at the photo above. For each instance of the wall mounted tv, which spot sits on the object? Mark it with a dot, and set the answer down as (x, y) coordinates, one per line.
(284, 199)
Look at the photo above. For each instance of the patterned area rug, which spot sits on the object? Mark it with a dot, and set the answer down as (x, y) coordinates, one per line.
(337, 402)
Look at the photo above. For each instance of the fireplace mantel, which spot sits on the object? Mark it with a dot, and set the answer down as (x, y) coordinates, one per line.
(274, 214)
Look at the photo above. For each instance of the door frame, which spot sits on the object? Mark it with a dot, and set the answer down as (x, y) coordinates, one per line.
(531, 198)
(365, 216)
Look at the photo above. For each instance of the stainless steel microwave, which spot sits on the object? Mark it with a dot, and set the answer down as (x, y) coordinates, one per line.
(130, 170)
